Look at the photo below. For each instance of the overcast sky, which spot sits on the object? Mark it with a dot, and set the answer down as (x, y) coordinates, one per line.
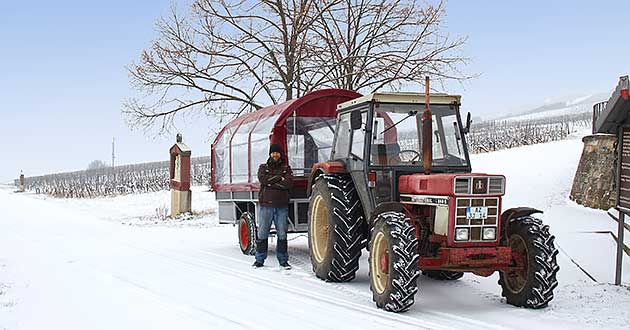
(63, 78)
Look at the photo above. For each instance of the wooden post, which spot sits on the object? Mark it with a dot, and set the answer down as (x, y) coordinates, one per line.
(623, 192)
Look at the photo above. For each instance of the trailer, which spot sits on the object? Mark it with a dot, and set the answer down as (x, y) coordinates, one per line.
(303, 127)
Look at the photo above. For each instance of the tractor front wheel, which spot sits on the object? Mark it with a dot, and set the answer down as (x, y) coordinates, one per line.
(247, 234)
(534, 254)
(393, 262)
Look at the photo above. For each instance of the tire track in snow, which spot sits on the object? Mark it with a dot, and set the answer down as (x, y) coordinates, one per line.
(182, 259)
(303, 258)
(454, 321)
(300, 292)
(116, 274)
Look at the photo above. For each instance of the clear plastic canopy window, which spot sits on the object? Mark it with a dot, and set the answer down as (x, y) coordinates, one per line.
(304, 126)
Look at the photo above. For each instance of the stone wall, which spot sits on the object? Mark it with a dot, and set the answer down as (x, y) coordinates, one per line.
(594, 181)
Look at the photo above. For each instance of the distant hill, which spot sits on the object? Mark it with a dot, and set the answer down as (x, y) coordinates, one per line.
(568, 106)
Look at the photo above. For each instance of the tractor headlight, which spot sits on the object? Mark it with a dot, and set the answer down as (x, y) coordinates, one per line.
(489, 234)
(461, 234)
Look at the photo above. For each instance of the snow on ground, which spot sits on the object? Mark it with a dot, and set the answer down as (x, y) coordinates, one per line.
(541, 176)
(150, 209)
(113, 263)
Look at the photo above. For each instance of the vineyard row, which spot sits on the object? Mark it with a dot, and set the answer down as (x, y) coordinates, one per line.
(148, 177)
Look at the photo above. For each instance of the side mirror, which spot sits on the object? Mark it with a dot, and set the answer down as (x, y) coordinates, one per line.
(355, 120)
(468, 122)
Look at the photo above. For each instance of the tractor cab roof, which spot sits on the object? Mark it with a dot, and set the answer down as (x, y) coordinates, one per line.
(436, 98)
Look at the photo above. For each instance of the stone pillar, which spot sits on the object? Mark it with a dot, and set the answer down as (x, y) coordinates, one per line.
(181, 196)
(594, 181)
(22, 183)
(181, 202)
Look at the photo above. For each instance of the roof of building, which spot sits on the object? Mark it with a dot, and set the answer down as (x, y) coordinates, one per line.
(615, 113)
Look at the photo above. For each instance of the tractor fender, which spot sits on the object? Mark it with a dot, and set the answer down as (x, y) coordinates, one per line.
(321, 169)
(514, 213)
(386, 207)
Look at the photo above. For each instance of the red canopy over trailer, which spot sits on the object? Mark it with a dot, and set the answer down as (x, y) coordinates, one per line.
(303, 127)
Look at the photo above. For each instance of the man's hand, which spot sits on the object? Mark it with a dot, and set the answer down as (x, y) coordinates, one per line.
(275, 179)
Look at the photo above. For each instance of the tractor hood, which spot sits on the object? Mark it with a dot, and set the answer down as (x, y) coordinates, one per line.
(452, 184)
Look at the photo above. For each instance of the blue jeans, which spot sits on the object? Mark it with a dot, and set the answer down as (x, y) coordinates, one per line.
(277, 215)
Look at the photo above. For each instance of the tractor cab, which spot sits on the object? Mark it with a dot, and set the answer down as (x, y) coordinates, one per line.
(394, 123)
(379, 138)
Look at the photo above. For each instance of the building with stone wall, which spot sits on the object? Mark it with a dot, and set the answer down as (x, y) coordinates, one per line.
(594, 181)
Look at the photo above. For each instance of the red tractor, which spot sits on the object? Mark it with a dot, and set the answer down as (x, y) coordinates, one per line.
(399, 183)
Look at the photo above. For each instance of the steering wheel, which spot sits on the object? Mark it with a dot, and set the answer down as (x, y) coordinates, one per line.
(415, 158)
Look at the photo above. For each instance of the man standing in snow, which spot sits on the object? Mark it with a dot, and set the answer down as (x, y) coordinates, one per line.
(275, 179)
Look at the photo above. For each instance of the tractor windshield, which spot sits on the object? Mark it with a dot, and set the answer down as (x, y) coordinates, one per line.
(397, 134)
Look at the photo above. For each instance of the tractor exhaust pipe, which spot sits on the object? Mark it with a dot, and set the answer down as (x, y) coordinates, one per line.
(427, 129)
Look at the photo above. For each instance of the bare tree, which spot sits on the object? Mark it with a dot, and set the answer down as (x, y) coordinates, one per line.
(229, 56)
(96, 164)
(371, 44)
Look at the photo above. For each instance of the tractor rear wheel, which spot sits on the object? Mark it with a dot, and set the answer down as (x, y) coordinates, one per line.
(247, 234)
(393, 262)
(336, 231)
(443, 275)
(534, 251)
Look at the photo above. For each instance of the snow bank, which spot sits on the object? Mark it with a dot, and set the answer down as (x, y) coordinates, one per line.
(150, 209)
(541, 176)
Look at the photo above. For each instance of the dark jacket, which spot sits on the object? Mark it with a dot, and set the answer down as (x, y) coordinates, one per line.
(275, 181)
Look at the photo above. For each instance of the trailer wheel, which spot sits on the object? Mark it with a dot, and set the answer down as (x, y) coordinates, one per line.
(534, 251)
(336, 228)
(443, 275)
(393, 262)
(247, 234)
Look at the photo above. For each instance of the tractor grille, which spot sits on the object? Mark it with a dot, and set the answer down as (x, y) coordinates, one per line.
(461, 185)
(496, 185)
(483, 185)
(476, 226)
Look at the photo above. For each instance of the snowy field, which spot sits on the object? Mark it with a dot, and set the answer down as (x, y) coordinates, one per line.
(113, 263)
(572, 106)
(567, 111)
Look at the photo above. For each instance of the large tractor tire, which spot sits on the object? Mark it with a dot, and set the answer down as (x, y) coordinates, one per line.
(532, 245)
(393, 262)
(443, 275)
(336, 228)
(247, 234)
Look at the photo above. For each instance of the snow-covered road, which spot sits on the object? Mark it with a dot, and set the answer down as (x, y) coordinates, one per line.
(76, 272)
(73, 264)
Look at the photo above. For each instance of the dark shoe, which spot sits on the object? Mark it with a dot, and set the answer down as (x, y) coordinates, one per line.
(285, 265)
(257, 264)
